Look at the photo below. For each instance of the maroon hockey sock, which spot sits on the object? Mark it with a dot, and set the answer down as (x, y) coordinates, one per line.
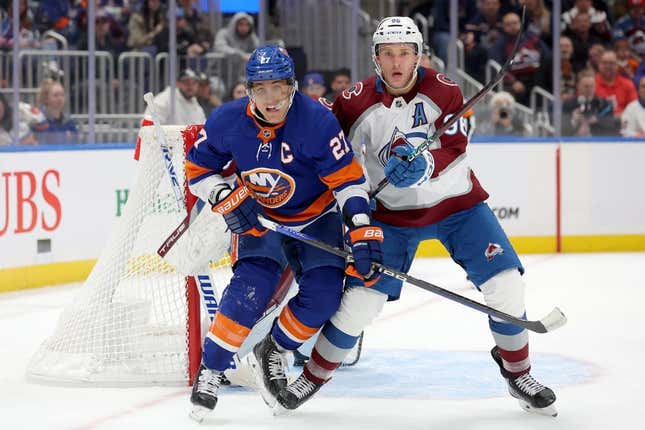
(516, 363)
(319, 370)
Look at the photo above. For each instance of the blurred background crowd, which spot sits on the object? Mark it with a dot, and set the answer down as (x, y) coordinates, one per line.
(580, 70)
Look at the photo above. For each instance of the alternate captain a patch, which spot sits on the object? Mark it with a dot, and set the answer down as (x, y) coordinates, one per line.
(492, 250)
(271, 188)
(419, 117)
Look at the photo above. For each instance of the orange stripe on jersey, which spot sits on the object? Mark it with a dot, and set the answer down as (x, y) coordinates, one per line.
(194, 171)
(351, 172)
(228, 330)
(314, 209)
(295, 327)
(233, 248)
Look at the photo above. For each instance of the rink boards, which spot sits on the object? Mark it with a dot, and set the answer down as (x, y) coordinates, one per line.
(58, 204)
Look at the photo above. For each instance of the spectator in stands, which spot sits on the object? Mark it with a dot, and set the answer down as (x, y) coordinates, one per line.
(109, 36)
(532, 68)
(503, 119)
(60, 129)
(196, 24)
(237, 38)
(441, 17)
(567, 68)
(600, 27)
(640, 72)
(53, 15)
(579, 33)
(632, 27)
(208, 94)
(595, 53)
(486, 25)
(610, 85)
(146, 26)
(633, 117)
(313, 85)
(627, 61)
(475, 56)
(237, 91)
(587, 114)
(340, 81)
(25, 134)
(539, 20)
(29, 36)
(187, 108)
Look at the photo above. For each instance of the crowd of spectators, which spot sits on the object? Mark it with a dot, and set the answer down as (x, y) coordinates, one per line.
(603, 40)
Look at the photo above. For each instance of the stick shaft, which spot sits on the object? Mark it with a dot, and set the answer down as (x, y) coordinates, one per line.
(536, 326)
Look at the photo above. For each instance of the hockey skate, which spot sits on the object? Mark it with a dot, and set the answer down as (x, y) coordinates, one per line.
(295, 394)
(532, 396)
(269, 366)
(204, 394)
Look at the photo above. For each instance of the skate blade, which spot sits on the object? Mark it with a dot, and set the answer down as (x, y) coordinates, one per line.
(548, 411)
(281, 411)
(199, 413)
(269, 400)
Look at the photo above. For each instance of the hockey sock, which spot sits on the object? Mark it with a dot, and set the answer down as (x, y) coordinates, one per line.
(332, 346)
(516, 363)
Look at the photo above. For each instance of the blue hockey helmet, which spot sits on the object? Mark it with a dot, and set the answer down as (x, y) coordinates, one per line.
(270, 63)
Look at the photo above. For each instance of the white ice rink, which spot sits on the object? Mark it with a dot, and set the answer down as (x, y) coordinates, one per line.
(425, 363)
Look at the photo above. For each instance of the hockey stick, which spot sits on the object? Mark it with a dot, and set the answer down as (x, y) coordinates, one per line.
(161, 138)
(469, 104)
(552, 321)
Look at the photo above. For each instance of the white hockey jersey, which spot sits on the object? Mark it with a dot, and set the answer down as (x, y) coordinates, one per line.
(376, 122)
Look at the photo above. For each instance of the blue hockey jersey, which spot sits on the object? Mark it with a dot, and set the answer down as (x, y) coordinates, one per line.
(297, 170)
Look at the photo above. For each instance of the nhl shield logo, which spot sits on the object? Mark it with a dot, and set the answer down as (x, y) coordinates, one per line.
(492, 250)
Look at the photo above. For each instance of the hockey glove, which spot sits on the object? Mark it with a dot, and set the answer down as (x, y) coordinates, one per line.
(403, 173)
(365, 242)
(239, 209)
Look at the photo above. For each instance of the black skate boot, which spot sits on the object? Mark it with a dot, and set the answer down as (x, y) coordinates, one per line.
(532, 396)
(269, 366)
(204, 394)
(296, 393)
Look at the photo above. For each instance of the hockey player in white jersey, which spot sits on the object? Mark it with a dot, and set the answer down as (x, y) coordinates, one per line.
(434, 196)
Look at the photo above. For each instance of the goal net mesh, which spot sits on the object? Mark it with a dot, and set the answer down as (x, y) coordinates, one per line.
(128, 323)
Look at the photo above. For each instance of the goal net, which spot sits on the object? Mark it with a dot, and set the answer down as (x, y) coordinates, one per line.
(136, 319)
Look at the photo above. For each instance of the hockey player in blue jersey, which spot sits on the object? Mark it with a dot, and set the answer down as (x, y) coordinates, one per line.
(294, 166)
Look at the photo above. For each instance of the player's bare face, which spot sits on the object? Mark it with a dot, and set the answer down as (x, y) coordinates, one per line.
(272, 99)
(398, 62)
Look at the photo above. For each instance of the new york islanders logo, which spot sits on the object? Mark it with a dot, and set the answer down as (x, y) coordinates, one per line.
(492, 250)
(272, 188)
(397, 139)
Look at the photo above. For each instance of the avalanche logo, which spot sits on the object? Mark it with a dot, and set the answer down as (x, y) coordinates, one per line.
(271, 188)
(397, 139)
(446, 80)
(492, 250)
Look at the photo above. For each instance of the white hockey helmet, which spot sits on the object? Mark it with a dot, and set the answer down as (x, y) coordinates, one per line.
(396, 29)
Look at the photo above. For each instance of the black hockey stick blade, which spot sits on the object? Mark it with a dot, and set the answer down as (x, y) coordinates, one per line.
(554, 320)
(466, 106)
